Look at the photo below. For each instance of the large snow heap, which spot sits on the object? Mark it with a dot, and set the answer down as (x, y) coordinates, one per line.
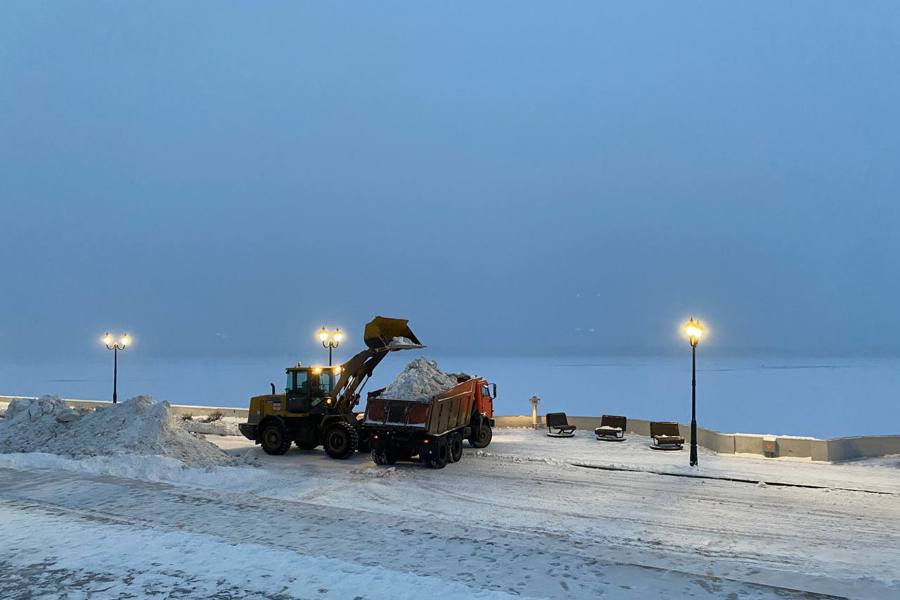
(140, 425)
(420, 380)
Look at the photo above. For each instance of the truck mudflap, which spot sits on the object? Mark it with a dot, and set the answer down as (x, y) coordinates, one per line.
(248, 430)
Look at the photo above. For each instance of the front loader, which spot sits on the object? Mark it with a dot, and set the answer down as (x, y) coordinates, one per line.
(316, 408)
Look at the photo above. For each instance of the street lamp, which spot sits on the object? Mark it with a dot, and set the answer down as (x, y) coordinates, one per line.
(694, 331)
(331, 340)
(115, 345)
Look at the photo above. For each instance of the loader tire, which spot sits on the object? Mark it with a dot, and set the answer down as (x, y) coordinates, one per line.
(482, 437)
(456, 447)
(274, 439)
(341, 440)
(440, 454)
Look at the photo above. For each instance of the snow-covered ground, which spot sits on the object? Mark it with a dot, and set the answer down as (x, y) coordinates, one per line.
(517, 519)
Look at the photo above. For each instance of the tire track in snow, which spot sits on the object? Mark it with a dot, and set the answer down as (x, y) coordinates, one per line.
(481, 557)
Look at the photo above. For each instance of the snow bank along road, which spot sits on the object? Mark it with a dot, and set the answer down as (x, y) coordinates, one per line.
(516, 520)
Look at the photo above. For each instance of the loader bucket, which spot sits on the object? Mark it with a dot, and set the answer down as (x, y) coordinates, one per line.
(384, 333)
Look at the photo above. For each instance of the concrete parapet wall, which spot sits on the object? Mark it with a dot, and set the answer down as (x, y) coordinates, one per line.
(518, 421)
(862, 447)
(839, 449)
(747, 443)
(723, 443)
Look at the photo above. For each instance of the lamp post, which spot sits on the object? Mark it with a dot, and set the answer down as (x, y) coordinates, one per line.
(694, 331)
(115, 345)
(331, 340)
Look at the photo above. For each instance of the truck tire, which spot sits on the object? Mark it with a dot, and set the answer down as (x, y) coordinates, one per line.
(382, 455)
(456, 448)
(439, 455)
(274, 439)
(306, 437)
(340, 440)
(481, 437)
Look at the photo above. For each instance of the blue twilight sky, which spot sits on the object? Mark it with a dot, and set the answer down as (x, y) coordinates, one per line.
(514, 177)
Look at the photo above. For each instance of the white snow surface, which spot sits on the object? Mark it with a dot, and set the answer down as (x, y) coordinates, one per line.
(139, 425)
(517, 518)
(420, 380)
(109, 567)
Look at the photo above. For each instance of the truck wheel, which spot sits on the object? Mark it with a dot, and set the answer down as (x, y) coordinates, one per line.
(306, 438)
(274, 439)
(341, 440)
(456, 448)
(440, 454)
(482, 437)
(383, 456)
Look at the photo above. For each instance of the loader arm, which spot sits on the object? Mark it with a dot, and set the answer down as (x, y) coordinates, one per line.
(382, 335)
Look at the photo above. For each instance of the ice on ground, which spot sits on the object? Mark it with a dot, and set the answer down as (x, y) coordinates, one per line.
(420, 380)
(140, 425)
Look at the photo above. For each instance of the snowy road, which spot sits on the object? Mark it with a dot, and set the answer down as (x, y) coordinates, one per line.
(519, 522)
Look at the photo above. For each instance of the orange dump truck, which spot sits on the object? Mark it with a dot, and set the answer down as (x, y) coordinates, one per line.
(432, 429)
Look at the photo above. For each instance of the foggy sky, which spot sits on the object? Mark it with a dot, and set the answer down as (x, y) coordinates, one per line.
(514, 177)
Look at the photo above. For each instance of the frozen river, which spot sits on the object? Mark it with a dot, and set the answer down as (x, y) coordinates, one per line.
(819, 397)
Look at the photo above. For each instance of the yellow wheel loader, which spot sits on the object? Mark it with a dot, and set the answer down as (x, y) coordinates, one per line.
(316, 408)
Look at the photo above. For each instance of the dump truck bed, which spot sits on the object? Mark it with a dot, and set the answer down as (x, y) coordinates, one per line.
(445, 412)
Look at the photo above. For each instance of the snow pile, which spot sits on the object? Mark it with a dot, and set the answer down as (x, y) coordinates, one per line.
(137, 426)
(402, 341)
(223, 426)
(420, 380)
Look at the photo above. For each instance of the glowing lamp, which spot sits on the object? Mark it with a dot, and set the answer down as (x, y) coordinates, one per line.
(694, 331)
(331, 340)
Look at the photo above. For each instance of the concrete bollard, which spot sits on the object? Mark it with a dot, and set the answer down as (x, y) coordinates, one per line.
(534, 402)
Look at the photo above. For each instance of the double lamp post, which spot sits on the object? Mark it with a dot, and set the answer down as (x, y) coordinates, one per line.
(331, 340)
(115, 345)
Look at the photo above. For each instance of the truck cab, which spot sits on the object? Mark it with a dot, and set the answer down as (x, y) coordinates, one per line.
(484, 400)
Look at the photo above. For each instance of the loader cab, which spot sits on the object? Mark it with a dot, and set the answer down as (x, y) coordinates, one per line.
(309, 389)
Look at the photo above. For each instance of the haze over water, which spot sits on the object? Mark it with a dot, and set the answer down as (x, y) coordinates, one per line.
(517, 178)
(789, 396)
